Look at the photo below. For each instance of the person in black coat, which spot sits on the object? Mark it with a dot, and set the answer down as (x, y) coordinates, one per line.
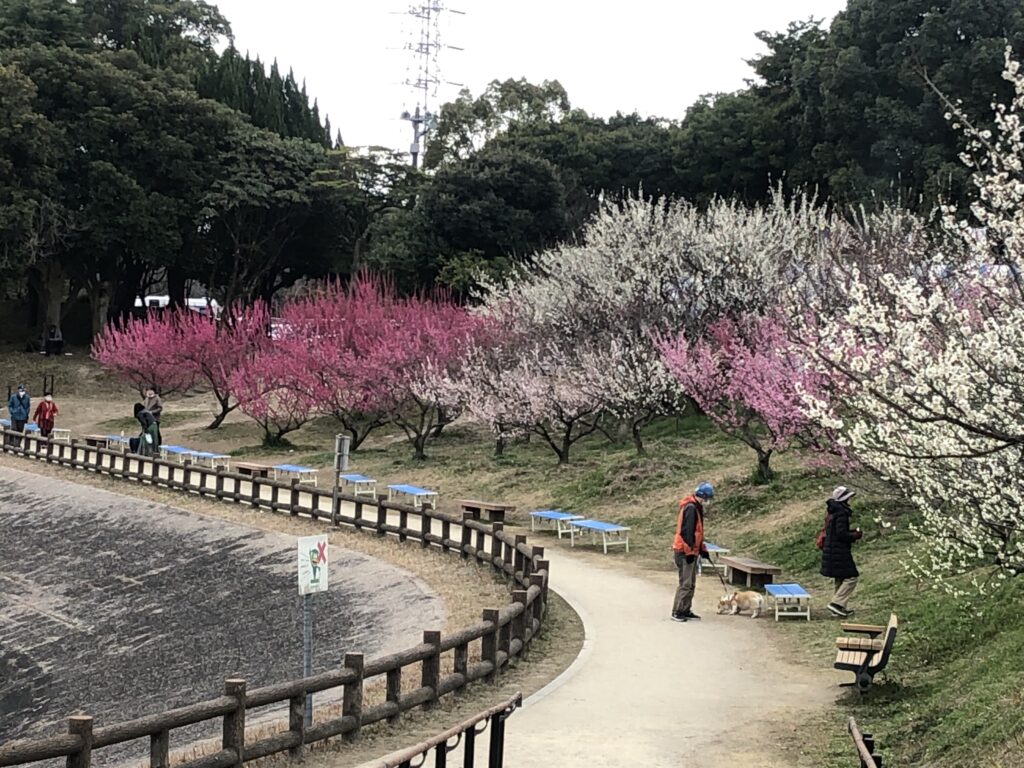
(837, 550)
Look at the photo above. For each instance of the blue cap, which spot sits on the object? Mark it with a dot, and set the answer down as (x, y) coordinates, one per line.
(705, 491)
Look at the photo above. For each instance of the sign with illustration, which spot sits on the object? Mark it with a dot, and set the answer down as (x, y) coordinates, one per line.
(312, 564)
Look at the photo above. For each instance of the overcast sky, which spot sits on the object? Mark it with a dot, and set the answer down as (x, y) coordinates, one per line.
(652, 56)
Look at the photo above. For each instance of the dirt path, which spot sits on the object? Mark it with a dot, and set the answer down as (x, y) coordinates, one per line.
(649, 691)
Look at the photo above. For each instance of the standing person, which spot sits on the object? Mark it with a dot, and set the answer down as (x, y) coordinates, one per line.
(687, 546)
(18, 407)
(45, 413)
(837, 550)
(53, 342)
(155, 406)
(145, 444)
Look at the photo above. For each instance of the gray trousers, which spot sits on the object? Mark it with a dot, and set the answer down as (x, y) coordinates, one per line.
(687, 583)
(844, 590)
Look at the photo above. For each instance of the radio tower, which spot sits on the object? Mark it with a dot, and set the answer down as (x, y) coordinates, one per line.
(425, 48)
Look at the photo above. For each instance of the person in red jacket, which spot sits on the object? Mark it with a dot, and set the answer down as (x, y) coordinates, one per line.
(45, 413)
(687, 546)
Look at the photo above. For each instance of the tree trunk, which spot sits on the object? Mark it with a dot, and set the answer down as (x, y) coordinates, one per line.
(764, 469)
(99, 304)
(225, 409)
(53, 279)
(499, 445)
(176, 287)
(638, 439)
(419, 443)
(563, 453)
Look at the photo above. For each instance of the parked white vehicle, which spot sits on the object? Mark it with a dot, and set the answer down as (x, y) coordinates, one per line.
(204, 306)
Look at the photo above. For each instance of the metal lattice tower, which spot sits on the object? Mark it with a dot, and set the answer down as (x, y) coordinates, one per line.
(425, 78)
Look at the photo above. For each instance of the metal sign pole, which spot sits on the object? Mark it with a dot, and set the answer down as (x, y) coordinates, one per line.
(307, 652)
(341, 444)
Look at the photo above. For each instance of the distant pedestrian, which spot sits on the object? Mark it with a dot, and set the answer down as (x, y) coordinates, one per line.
(837, 550)
(45, 414)
(53, 341)
(155, 406)
(19, 407)
(687, 546)
(146, 443)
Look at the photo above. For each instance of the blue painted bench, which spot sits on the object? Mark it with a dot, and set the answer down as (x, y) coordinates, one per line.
(361, 484)
(715, 552)
(30, 426)
(611, 533)
(790, 600)
(178, 451)
(420, 496)
(213, 459)
(556, 517)
(303, 473)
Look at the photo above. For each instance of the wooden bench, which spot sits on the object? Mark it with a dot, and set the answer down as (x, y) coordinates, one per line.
(495, 512)
(420, 496)
(790, 600)
(554, 518)
(361, 484)
(594, 527)
(97, 441)
(865, 656)
(756, 573)
(252, 469)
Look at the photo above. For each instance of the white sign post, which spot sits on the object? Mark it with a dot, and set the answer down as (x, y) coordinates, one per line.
(313, 577)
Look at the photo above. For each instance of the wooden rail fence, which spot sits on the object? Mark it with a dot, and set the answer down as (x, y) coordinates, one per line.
(503, 634)
(865, 745)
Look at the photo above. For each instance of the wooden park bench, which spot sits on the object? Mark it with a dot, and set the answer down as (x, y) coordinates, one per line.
(612, 534)
(748, 572)
(252, 469)
(421, 497)
(865, 656)
(495, 513)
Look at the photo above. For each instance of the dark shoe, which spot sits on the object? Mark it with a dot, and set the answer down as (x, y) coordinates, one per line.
(678, 617)
(837, 611)
(691, 615)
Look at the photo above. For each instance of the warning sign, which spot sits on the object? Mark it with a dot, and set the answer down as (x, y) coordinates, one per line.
(313, 569)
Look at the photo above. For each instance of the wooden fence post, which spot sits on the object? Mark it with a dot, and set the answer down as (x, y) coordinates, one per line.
(394, 691)
(432, 665)
(424, 528)
(352, 700)
(234, 722)
(467, 535)
(544, 565)
(489, 644)
(218, 483)
(446, 533)
(254, 491)
(297, 723)
(403, 524)
(519, 622)
(159, 749)
(496, 544)
(81, 725)
(461, 665)
(382, 514)
(518, 559)
(293, 501)
(538, 604)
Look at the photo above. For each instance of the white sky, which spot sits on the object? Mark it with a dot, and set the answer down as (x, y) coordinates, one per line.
(652, 56)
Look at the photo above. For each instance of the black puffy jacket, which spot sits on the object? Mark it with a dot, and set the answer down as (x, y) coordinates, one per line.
(836, 555)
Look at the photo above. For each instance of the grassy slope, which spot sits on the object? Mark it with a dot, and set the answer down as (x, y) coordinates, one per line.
(954, 691)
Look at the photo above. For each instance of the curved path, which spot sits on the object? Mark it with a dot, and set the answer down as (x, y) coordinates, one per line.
(649, 691)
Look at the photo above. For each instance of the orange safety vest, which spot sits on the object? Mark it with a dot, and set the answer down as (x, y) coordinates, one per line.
(678, 544)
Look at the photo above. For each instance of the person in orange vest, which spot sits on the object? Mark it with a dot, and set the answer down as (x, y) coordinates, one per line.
(687, 546)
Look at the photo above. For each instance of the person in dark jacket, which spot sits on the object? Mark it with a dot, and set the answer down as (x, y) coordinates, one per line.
(19, 407)
(837, 550)
(155, 406)
(146, 443)
(687, 546)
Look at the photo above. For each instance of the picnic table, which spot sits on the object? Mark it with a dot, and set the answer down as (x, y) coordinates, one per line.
(178, 451)
(495, 512)
(252, 469)
(554, 517)
(420, 496)
(59, 435)
(303, 473)
(790, 600)
(749, 572)
(611, 533)
(715, 553)
(213, 460)
(361, 484)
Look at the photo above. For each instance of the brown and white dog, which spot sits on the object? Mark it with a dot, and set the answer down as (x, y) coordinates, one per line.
(742, 601)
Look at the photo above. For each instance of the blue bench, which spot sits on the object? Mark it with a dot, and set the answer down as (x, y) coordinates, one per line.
(790, 600)
(166, 451)
(420, 496)
(361, 484)
(213, 459)
(594, 527)
(30, 426)
(557, 517)
(303, 473)
(715, 552)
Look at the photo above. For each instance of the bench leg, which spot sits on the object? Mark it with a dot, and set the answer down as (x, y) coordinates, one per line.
(604, 541)
(627, 543)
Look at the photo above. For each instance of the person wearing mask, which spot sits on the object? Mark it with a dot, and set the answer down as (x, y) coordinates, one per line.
(155, 406)
(687, 546)
(45, 414)
(19, 407)
(837, 550)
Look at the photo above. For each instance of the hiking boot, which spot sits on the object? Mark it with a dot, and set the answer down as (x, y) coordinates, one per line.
(691, 615)
(678, 617)
(838, 610)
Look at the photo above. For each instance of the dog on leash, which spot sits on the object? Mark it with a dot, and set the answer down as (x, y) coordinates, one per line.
(742, 601)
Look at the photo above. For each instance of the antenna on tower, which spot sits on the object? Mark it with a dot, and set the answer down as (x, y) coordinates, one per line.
(425, 48)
